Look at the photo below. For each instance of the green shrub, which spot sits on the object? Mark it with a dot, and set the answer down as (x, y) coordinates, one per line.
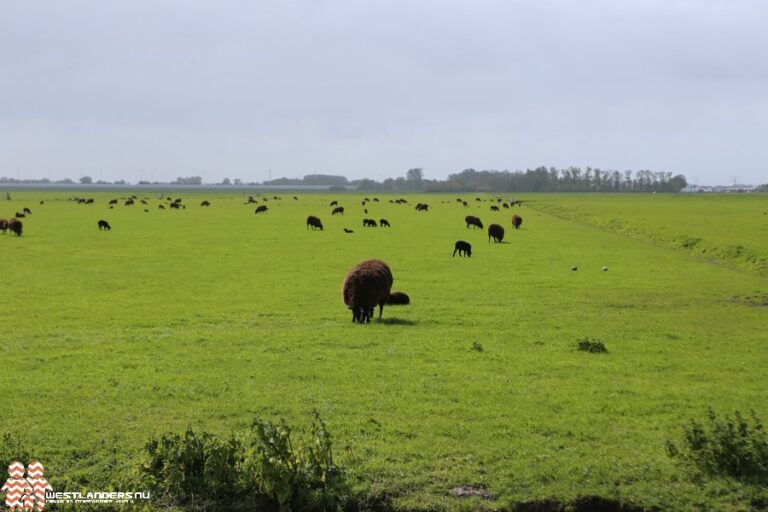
(725, 447)
(265, 469)
(592, 345)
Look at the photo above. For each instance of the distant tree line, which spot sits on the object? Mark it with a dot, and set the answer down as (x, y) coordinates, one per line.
(541, 179)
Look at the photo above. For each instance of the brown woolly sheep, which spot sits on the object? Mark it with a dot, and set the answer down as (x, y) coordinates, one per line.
(365, 286)
(516, 221)
(261, 209)
(462, 247)
(15, 226)
(471, 220)
(496, 232)
(3, 225)
(398, 299)
(338, 209)
(314, 222)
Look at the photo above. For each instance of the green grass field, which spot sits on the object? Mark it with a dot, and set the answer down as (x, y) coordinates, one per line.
(207, 317)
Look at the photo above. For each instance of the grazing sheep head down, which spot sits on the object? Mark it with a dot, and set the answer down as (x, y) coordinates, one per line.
(367, 285)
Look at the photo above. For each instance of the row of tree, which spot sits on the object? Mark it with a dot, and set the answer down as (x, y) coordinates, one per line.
(541, 179)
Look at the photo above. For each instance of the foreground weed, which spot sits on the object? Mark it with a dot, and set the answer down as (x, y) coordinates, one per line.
(267, 468)
(728, 446)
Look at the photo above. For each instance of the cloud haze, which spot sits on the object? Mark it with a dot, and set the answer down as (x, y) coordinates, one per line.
(160, 89)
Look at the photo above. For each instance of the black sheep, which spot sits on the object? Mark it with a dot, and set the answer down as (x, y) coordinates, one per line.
(104, 225)
(15, 226)
(338, 209)
(261, 209)
(471, 220)
(496, 232)
(384, 223)
(365, 286)
(462, 247)
(516, 221)
(314, 222)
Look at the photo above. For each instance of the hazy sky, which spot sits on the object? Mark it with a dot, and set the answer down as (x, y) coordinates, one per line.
(154, 89)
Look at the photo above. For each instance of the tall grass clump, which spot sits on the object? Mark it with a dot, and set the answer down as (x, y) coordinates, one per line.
(268, 468)
(727, 446)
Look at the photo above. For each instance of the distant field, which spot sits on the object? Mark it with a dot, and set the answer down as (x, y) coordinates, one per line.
(207, 317)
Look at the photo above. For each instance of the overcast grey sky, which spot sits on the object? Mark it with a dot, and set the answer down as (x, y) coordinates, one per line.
(155, 89)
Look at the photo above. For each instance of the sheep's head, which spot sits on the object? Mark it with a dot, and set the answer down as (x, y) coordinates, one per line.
(361, 314)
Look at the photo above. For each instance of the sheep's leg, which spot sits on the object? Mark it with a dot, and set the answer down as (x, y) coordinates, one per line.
(381, 310)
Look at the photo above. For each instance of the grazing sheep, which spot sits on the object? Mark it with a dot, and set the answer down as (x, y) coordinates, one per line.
(334, 203)
(15, 226)
(104, 225)
(113, 201)
(128, 202)
(89, 201)
(314, 222)
(261, 209)
(160, 207)
(516, 221)
(463, 248)
(348, 230)
(398, 299)
(365, 286)
(205, 203)
(177, 201)
(338, 209)
(471, 220)
(505, 205)
(42, 202)
(175, 206)
(375, 199)
(369, 223)
(20, 215)
(494, 208)
(251, 200)
(27, 211)
(3, 225)
(422, 207)
(384, 223)
(143, 201)
(496, 232)
(296, 198)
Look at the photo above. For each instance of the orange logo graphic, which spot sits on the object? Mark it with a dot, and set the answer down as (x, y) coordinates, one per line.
(25, 493)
